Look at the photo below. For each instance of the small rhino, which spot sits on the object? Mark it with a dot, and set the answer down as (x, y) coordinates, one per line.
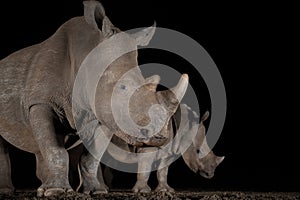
(193, 156)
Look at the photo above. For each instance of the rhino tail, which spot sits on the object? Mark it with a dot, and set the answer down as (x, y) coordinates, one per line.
(80, 179)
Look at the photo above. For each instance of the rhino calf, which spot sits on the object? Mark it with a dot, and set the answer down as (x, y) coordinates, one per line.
(193, 157)
(198, 156)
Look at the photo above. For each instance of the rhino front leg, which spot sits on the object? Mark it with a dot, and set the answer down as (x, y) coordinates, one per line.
(41, 168)
(89, 168)
(162, 176)
(52, 149)
(6, 186)
(144, 166)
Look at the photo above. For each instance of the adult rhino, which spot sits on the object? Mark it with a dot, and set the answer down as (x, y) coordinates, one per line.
(37, 112)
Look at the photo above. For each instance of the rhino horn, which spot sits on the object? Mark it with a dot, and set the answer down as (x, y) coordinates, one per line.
(171, 98)
(144, 36)
(180, 89)
(219, 159)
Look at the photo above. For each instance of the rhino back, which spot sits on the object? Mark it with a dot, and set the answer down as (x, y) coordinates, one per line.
(54, 68)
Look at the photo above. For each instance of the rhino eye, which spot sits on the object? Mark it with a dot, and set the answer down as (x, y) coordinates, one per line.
(123, 87)
(198, 151)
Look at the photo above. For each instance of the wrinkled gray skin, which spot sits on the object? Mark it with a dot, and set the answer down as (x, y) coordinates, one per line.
(36, 100)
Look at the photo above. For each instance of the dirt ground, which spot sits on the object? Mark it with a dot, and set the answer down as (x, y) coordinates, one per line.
(126, 195)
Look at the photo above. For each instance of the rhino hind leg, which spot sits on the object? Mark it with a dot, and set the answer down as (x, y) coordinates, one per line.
(89, 171)
(52, 149)
(6, 186)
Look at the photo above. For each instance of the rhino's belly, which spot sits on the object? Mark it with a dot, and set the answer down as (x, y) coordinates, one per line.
(19, 137)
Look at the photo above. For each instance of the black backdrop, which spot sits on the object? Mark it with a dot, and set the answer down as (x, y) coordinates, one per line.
(252, 45)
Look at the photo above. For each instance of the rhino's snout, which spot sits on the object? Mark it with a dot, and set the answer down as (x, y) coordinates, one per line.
(207, 175)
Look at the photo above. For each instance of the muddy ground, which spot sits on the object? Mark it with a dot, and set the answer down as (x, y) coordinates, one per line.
(126, 195)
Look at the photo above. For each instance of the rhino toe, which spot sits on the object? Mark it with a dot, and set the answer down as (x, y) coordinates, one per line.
(164, 188)
(101, 191)
(52, 191)
(141, 189)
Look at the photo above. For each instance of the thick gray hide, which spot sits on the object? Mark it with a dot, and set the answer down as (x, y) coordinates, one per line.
(36, 85)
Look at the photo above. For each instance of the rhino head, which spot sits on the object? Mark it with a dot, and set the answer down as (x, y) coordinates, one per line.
(199, 157)
(126, 102)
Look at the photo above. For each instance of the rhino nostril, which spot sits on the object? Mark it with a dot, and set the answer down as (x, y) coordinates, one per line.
(144, 131)
(123, 87)
(159, 137)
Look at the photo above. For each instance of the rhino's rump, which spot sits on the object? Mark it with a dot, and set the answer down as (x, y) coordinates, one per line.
(27, 79)
(13, 75)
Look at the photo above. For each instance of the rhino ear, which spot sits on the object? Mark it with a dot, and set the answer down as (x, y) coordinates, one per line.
(152, 82)
(205, 116)
(201, 134)
(108, 29)
(219, 159)
(93, 12)
(144, 36)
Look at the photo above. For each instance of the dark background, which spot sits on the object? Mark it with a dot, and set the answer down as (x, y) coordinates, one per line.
(253, 46)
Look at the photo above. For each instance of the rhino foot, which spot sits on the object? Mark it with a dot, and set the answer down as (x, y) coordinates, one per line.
(94, 189)
(48, 192)
(164, 188)
(141, 188)
(101, 191)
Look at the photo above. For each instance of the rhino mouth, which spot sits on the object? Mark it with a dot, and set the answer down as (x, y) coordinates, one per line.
(157, 140)
(206, 174)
